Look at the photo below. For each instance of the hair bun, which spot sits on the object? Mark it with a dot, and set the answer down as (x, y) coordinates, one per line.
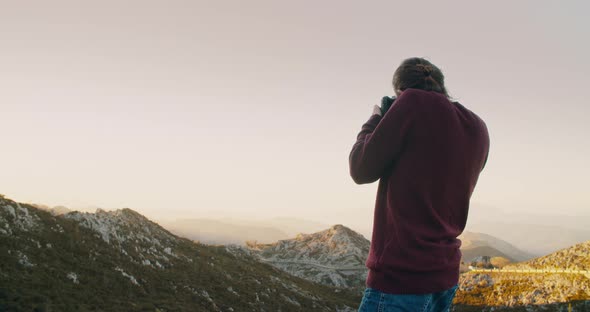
(426, 69)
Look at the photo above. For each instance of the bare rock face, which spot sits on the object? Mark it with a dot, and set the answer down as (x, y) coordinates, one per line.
(335, 256)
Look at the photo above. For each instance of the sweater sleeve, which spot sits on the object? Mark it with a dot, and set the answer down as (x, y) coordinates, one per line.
(486, 144)
(380, 141)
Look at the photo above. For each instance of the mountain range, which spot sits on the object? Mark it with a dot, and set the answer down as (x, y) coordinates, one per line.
(60, 260)
(121, 261)
(336, 257)
(535, 239)
(533, 234)
(480, 244)
(538, 234)
(211, 231)
(236, 231)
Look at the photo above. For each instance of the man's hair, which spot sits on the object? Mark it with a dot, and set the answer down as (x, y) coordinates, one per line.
(419, 73)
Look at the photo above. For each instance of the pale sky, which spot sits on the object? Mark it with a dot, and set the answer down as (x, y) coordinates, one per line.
(249, 109)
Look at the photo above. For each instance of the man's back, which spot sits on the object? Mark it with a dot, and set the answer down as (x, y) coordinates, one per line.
(428, 153)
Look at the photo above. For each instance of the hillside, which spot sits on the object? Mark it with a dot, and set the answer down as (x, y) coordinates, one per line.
(335, 256)
(121, 261)
(480, 244)
(516, 286)
(576, 257)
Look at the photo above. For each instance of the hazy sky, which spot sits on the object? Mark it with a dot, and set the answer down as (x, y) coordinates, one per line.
(249, 109)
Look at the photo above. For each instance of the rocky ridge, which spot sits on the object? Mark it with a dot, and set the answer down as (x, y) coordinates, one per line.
(335, 256)
(576, 257)
(121, 261)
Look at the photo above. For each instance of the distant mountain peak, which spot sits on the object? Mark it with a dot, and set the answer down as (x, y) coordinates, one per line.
(480, 244)
(341, 229)
(338, 227)
(337, 236)
(335, 256)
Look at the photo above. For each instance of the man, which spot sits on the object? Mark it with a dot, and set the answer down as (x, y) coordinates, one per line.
(428, 153)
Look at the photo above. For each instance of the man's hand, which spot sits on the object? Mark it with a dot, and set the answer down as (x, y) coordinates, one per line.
(377, 110)
(386, 103)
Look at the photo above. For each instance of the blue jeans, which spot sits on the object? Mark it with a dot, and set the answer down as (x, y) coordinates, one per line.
(376, 301)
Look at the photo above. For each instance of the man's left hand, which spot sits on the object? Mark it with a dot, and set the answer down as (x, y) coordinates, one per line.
(377, 110)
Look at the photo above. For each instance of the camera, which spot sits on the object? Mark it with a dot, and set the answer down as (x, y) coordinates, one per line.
(386, 103)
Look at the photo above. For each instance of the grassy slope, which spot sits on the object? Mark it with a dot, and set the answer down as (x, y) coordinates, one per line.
(513, 291)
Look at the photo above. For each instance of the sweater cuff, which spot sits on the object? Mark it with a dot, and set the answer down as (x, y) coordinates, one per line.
(374, 119)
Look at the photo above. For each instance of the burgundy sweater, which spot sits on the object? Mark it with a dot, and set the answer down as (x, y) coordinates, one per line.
(427, 152)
